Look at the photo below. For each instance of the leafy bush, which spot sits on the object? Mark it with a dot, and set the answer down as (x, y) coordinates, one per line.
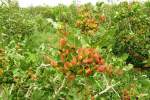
(132, 32)
(14, 22)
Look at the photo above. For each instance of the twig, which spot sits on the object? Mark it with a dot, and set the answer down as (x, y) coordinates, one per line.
(60, 88)
(44, 65)
(116, 92)
(107, 84)
(107, 88)
(12, 86)
(55, 78)
(28, 92)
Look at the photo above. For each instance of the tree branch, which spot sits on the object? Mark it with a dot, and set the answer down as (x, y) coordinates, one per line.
(104, 91)
(60, 88)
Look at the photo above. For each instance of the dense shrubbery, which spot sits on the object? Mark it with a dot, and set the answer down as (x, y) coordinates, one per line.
(85, 52)
(132, 32)
(15, 22)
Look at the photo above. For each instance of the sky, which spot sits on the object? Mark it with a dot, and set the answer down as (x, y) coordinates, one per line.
(27, 3)
(24, 3)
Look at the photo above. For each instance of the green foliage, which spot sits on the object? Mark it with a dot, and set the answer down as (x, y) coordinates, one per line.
(14, 22)
(132, 32)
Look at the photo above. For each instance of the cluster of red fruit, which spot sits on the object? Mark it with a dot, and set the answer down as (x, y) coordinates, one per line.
(78, 61)
(87, 25)
(102, 18)
(87, 22)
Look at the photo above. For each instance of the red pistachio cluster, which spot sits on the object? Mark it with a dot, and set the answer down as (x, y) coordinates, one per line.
(78, 61)
(102, 18)
(87, 25)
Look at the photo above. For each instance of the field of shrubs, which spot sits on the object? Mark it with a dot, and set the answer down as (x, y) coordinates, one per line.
(76, 52)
